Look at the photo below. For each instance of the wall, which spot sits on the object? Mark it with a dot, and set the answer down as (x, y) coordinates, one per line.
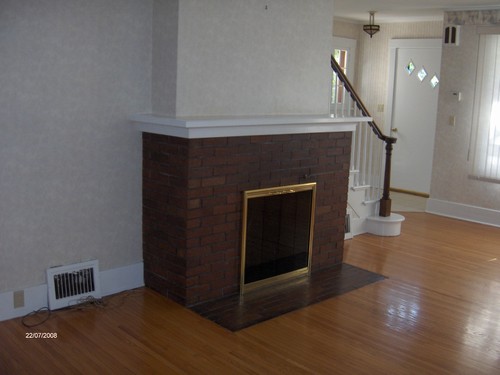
(347, 29)
(72, 72)
(450, 181)
(164, 69)
(244, 57)
(373, 57)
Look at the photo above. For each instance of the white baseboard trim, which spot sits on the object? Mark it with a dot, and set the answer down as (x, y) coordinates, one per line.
(463, 212)
(34, 298)
(112, 281)
(117, 280)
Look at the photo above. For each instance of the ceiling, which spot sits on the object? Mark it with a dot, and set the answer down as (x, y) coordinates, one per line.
(405, 10)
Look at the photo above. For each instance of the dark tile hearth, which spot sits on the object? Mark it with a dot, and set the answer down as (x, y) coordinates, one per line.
(235, 312)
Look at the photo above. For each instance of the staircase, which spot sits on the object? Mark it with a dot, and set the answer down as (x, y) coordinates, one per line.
(359, 207)
(369, 203)
(363, 205)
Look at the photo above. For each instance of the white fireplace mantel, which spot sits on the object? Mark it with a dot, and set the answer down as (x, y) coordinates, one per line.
(228, 126)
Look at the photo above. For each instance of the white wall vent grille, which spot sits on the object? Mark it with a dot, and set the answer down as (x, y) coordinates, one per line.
(69, 285)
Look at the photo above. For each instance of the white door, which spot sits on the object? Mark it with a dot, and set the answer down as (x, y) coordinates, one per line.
(412, 110)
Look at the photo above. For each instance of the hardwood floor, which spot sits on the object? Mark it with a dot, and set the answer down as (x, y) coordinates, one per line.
(438, 312)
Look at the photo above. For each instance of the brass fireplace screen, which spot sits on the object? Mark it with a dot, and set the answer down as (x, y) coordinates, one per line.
(277, 234)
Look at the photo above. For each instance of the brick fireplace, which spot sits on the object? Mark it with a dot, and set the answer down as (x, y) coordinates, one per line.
(193, 186)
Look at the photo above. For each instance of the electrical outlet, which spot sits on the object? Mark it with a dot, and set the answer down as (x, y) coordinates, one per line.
(18, 299)
(451, 120)
(380, 108)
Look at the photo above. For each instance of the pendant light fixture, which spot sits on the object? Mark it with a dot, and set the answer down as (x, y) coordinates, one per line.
(371, 28)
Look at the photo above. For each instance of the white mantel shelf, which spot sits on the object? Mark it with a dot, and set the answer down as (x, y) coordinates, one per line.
(214, 127)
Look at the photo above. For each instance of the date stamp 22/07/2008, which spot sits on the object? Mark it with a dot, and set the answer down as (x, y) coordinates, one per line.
(41, 335)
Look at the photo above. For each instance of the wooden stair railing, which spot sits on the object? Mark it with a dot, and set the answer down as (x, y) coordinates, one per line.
(385, 201)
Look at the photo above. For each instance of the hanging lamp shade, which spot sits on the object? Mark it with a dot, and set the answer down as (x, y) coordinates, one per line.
(371, 29)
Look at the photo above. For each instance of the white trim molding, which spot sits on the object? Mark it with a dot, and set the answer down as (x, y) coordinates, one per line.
(463, 212)
(112, 281)
(211, 127)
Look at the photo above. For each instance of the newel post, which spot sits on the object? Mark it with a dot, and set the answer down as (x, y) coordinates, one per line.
(385, 202)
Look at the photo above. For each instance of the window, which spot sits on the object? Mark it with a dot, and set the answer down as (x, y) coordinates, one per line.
(486, 118)
(344, 51)
(337, 86)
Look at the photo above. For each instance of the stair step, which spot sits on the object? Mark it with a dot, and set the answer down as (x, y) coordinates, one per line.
(385, 226)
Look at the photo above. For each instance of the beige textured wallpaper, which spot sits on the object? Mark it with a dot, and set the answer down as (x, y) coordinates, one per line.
(450, 178)
(247, 57)
(71, 74)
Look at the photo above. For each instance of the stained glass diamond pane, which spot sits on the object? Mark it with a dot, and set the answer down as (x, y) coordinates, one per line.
(422, 73)
(410, 67)
(434, 81)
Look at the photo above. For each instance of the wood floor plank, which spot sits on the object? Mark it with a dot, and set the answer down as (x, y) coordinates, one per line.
(437, 312)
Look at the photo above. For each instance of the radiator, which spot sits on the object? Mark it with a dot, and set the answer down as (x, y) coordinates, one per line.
(72, 284)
